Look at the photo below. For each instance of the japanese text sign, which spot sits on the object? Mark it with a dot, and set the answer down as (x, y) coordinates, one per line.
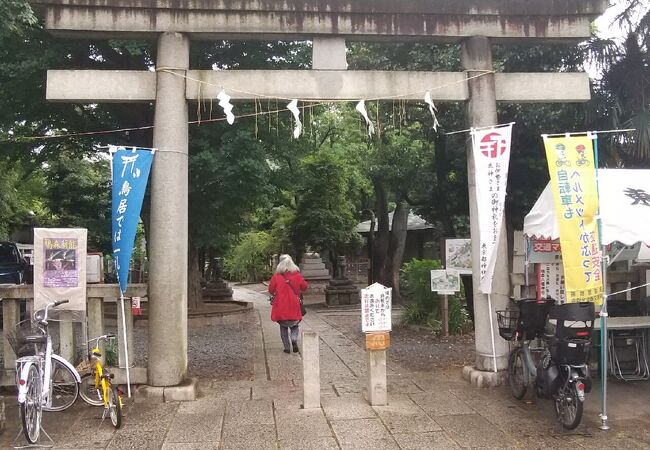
(491, 151)
(575, 194)
(376, 308)
(550, 282)
(544, 251)
(130, 168)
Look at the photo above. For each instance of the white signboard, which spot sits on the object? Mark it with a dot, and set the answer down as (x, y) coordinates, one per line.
(550, 282)
(491, 150)
(376, 308)
(458, 255)
(445, 281)
(60, 267)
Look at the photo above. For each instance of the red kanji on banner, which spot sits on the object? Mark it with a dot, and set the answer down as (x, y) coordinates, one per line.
(493, 145)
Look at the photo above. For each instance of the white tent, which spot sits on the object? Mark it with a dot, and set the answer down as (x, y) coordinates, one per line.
(624, 208)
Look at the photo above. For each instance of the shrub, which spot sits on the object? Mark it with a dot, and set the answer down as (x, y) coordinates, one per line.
(249, 259)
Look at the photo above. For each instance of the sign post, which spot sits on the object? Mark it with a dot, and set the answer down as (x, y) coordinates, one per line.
(376, 307)
(445, 282)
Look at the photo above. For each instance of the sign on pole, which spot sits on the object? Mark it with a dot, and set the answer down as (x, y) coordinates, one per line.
(130, 168)
(458, 255)
(445, 281)
(376, 306)
(575, 194)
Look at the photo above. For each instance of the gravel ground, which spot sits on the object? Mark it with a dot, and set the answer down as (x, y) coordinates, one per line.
(222, 352)
(417, 350)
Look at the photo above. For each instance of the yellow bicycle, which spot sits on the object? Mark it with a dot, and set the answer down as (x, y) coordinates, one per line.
(97, 388)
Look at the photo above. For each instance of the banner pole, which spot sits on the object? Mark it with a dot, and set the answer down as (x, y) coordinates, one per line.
(494, 348)
(126, 347)
(603, 309)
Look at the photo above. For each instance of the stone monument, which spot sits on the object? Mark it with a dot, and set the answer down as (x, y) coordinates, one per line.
(313, 270)
(215, 288)
(341, 290)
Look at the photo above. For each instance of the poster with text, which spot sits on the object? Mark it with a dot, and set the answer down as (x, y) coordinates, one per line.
(60, 268)
(550, 282)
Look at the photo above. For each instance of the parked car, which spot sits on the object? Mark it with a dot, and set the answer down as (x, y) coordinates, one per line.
(13, 267)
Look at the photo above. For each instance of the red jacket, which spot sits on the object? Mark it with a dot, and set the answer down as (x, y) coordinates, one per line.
(286, 305)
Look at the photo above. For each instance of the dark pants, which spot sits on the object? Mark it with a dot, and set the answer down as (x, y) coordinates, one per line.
(284, 334)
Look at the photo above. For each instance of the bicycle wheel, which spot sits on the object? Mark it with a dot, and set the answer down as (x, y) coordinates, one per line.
(568, 406)
(88, 392)
(31, 409)
(64, 388)
(114, 407)
(517, 374)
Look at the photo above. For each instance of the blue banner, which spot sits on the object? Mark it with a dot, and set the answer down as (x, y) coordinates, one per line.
(130, 167)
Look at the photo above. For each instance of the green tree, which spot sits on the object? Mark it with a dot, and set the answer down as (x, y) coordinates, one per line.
(324, 218)
(78, 195)
(623, 88)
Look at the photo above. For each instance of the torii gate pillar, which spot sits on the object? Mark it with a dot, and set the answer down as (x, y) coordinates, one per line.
(167, 364)
(482, 111)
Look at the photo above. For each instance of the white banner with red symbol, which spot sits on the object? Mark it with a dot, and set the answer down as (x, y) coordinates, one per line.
(491, 148)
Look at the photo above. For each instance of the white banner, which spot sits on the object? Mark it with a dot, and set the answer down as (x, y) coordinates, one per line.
(491, 148)
(60, 268)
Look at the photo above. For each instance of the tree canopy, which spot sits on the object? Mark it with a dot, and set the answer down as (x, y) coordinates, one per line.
(309, 192)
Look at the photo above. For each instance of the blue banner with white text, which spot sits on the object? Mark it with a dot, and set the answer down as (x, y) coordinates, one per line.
(130, 168)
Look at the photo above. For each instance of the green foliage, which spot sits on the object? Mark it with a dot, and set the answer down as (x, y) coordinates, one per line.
(21, 198)
(229, 179)
(459, 321)
(78, 195)
(425, 306)
(16, 15)
(111, 351)
(249, 259)
(324, 215)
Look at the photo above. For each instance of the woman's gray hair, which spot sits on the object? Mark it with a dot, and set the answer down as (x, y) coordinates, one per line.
(286, 264)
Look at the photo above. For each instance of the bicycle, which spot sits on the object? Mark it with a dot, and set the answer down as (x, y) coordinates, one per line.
(46, 381)
(97, 387)
(561, 372)
(523, 325)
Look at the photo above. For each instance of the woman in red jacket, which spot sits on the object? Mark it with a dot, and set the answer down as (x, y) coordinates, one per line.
(285, 286)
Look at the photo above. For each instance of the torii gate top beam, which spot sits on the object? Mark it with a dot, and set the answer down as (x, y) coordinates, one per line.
(432, 20)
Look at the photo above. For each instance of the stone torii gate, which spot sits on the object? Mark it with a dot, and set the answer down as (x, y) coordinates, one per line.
(328, 23)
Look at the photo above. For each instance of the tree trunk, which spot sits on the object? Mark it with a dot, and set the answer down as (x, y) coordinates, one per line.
(442, 171)
(382, 236)
(397, 245)
(194, 295)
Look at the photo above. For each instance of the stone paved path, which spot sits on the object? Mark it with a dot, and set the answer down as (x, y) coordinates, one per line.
(426, 410)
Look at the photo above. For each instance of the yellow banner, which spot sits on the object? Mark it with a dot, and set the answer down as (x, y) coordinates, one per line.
(573, 181)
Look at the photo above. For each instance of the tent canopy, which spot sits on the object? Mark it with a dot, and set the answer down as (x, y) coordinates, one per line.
(624, 208)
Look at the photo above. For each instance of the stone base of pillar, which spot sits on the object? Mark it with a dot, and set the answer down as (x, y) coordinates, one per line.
(484, 379)
(187, 391)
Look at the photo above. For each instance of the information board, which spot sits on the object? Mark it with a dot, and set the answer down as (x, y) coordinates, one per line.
(376, 307)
